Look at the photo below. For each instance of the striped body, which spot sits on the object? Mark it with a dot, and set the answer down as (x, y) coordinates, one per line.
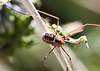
(49, 38)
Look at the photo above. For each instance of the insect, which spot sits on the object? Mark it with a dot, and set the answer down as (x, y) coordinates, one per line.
(58, 40)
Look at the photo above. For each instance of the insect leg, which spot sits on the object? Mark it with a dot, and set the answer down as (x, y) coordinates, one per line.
(48, 23)
(41, 17)
(69, 57)
(50, 16)
(73, 34)
(81, 27)
(46, 56)
(56, 29)
(64, 59)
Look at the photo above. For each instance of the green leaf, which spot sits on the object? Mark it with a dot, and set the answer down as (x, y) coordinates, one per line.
(2, 2)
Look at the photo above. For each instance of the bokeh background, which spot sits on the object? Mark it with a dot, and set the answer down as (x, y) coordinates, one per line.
(21, 46)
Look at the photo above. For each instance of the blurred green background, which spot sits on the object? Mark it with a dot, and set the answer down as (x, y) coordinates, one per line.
(21, 46)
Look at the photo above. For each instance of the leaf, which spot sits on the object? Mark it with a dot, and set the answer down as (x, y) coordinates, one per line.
(2, 2)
